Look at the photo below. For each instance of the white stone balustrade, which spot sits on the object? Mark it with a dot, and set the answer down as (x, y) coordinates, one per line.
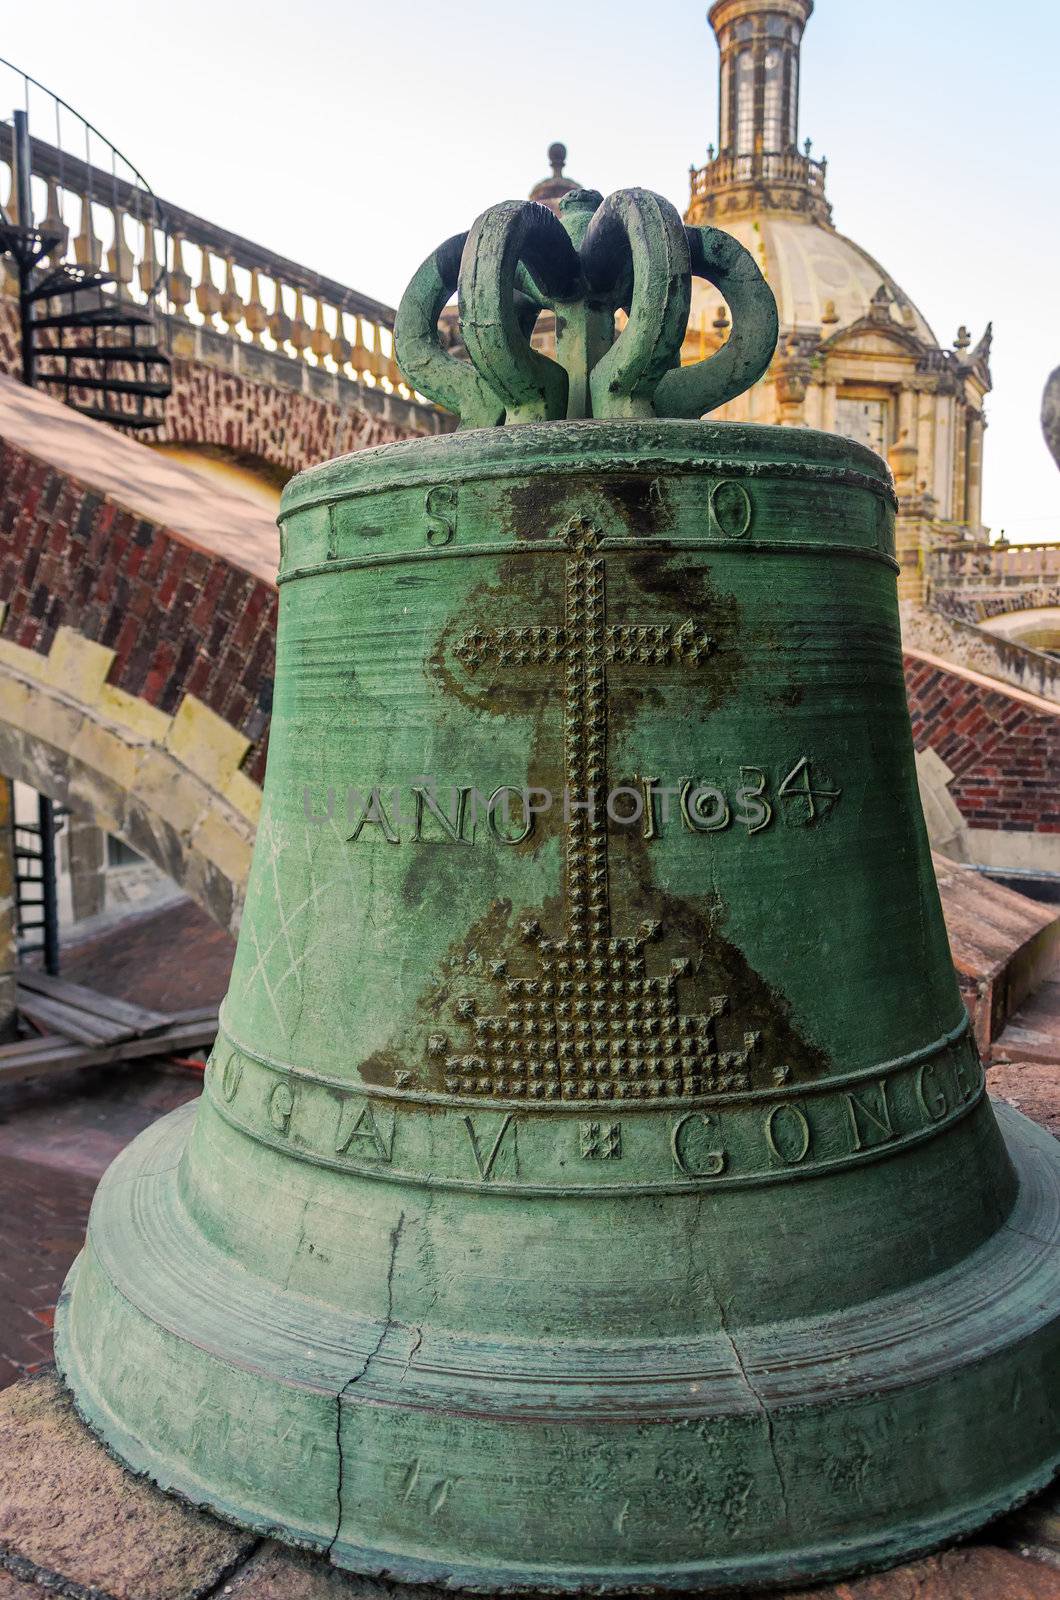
(206, 278)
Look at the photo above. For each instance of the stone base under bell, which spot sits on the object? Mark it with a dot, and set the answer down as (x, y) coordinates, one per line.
(756, 1457)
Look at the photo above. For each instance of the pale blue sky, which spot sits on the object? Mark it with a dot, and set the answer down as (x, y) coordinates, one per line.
(354, 136)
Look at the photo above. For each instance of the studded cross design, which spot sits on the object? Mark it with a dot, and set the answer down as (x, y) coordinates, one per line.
(590, 1021)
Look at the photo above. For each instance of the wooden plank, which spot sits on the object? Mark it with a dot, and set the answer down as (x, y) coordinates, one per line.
(34, 1058)
(70, 1021)
(195, 1014)
(33, 1046)
(139, 1019)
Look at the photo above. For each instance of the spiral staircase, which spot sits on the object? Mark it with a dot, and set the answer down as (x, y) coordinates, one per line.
(85, 337)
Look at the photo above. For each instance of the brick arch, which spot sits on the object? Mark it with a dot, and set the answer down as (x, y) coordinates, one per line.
(177, 618)
(1028, 617)
(1036, 626)
(170, 786)
(287, 428)
(1029, 597)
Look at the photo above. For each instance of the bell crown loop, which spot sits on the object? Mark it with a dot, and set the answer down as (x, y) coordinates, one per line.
(629, 252)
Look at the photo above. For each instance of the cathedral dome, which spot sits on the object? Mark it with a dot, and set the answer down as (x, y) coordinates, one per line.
(760, 186)
(855, 356)
(821, 279)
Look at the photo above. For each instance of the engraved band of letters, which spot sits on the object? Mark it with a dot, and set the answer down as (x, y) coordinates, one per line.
(722, 1141)
(600, 466)
(663, 545)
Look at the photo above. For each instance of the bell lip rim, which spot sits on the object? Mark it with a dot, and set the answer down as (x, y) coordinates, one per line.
(505, 447)
(711, 1577)
(823, 1563)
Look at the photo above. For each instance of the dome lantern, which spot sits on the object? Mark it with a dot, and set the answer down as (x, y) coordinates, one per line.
(758, 161)
(550, 191)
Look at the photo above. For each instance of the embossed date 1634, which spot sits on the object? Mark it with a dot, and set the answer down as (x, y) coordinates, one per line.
(428, 810)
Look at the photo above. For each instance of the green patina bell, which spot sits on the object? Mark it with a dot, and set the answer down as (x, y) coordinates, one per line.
(594, 1185)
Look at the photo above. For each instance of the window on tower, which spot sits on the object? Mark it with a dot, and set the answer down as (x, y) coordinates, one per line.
(745, 103)
(867, 421)
(772, 131)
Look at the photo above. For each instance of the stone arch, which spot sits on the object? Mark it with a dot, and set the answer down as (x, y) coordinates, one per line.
(237, 471)
(169, 786)
(1036, 627)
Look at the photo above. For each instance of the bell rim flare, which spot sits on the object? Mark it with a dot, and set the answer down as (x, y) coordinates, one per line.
(985, 1314)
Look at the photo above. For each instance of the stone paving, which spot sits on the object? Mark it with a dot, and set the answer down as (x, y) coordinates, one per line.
(59, 1134)
(44, 1215)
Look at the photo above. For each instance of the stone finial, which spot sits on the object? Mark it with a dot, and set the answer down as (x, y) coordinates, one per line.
(880, 305)
(550, 191)
(981, 352)
(902, 460)
(963, 339)
(595, 258)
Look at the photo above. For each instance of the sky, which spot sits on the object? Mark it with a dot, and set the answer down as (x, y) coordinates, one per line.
(354, 136)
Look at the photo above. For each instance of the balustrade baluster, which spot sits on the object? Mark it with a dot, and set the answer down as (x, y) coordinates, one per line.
(11, 204)
(360, 355)
(231, 304)
(53, 223)
(207, 294)
(300, 335)
(147, 272)
(178, 283)
(8, 270)
(341, 349)
(320, 343)
(279, 322)
(88, 246)
(255, 316)
(377, 360)
(119, 256)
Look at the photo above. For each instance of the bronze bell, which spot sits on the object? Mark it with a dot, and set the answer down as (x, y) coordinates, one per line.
(594, 1186)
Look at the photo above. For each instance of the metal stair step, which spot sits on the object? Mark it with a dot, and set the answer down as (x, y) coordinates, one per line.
(127, 420)
(150, 391)
(107, 352)
(98, 317)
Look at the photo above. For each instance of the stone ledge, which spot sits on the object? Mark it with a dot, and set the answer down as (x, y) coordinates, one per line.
(73, 1522)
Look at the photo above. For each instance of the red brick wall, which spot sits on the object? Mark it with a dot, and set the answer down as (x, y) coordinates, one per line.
(280, 426)
(210, 406)
(1003, 751)
(10, 343)
(181, 621)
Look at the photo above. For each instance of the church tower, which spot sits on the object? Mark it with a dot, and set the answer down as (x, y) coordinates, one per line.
(855, 356)
(758, 161)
